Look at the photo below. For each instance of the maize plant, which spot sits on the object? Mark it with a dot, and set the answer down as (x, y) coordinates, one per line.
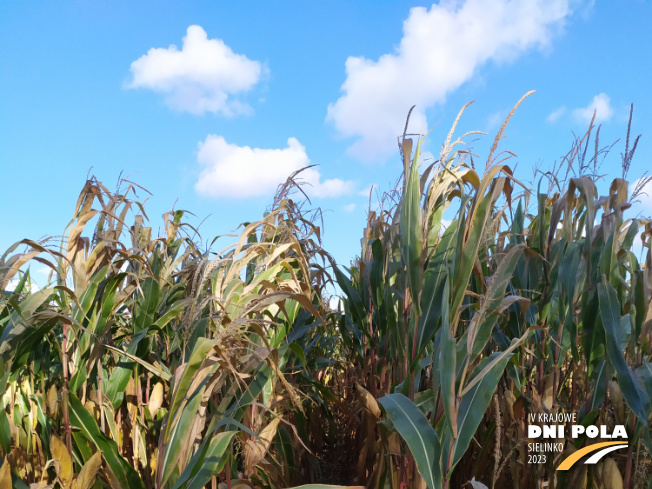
(478, 302)
(168, 361)
(527, 302)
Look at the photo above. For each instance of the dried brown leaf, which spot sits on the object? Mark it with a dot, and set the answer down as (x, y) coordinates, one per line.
(64, 466)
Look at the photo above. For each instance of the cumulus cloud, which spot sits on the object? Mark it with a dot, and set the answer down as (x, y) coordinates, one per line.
(601, 105)
(203, 76)
(349, 207)
(441, 49)
(556, 114)
(235, 171)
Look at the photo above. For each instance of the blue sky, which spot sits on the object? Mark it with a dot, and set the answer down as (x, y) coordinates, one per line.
(210, 104)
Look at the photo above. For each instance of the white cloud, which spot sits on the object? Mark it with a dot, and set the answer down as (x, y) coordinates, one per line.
(241, 171)
(601, 105)
(201, 77)
(349, 207)
(556, 114)
(441, 49)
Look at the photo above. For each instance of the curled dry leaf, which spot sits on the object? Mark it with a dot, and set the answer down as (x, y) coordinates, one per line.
(617, 400)
(579, 474)
(368, 402)
(609, 475)
(64, 466)
(92, 408)
(86, 477)
(548, 400)
(256, 448)
(130, 396)
(5, 475)
(509, 400)
(110, 476)
(394, 443)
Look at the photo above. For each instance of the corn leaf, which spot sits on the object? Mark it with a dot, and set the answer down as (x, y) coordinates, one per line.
(635, 396)
(420, 437)
(208, 461)
(410, 229)
(476, 399)
(81, 419)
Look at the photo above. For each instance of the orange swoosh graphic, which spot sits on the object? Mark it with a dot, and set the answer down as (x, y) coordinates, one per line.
(570, 460)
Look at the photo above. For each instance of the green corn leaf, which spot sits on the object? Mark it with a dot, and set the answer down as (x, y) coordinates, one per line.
(638, 286)
(415, 429)
(159, 372)
(81, 419)
(145, 308)
(593, 334)
(285, 450)
(644, 372)
(599, 390)
(176, 436)
(433, 296)
(180, 392)
(634, 394)
(477, 395)
(516, 231)
(109, 295)
(483, 322)
(447, 368)
(82, 313)
(18, 320)
(206, 462)
(541, 219)
(588, 192)
(356, 307)
(410, 229)
(475, 402)
(120, 376)
(5, 432)
(376, 273)
(470, 235)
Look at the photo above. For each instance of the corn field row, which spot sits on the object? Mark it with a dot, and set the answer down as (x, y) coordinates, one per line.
(150, 362)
